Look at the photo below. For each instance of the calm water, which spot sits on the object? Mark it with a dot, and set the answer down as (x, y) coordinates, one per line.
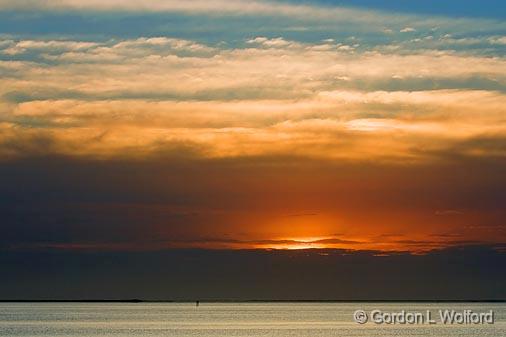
(223, 320)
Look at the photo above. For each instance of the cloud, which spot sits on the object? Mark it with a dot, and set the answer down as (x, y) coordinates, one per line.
(148, 93)
(179, 198)
(351, 246)
(497, 40)
(449, 212)
(238, 7)
(198, 68)
(407, 30)
(362, 20)
(220, 7)
(361, 276)
(140, 128)
(51, 46)
(279, 42)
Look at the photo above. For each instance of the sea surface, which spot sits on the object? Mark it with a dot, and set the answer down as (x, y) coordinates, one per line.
(234, 319)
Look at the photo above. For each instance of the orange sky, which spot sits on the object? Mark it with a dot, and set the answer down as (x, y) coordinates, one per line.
(248, 203)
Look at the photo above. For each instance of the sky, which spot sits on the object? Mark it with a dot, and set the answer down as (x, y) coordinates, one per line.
(173, 128)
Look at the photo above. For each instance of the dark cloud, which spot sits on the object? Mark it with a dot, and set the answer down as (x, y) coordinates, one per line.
(338, 241)
(181, 200)
(458, 273)
(449, 212)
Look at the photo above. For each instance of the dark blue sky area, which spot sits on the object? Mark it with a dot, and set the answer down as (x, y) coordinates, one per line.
(455, 8)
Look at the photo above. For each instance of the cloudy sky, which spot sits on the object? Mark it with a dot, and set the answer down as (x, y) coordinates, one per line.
(141, 126)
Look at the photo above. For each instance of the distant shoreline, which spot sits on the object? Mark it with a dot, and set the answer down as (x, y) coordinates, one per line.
(251, 301)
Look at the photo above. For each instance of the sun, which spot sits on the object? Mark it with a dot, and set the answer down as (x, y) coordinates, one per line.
(296, 243)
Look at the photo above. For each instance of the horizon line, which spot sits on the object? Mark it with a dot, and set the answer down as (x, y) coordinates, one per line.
(134, 300)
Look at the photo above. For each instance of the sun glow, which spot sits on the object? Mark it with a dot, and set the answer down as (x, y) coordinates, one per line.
(297, 243)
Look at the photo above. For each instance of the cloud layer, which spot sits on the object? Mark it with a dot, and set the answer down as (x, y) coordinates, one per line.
(105, 97)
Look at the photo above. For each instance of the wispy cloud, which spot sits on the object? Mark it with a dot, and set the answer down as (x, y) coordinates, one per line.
(243, 101)
(368, 19)
(407, 30)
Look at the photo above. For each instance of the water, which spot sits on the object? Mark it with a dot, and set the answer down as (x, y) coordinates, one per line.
(230, 319)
